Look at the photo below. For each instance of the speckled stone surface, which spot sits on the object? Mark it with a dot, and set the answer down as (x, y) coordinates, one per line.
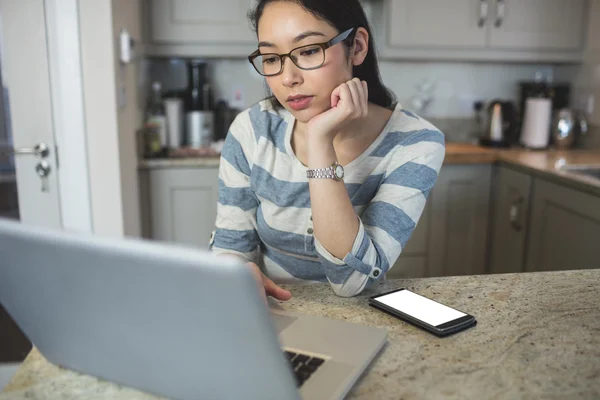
(538, 336)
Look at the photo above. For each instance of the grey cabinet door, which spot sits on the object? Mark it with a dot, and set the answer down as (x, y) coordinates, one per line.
(435, 24)
(509, 226)
(459, 220)
(201, 22)
(184, 205)
(412, 263)
(564, 229)
(538, 24)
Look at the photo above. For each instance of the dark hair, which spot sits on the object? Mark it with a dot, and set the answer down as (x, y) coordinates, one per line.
(342, 15)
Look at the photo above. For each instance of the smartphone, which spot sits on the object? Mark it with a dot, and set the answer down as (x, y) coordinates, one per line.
(423, 312)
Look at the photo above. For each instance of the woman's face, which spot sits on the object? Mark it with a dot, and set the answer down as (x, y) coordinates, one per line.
(286, 25)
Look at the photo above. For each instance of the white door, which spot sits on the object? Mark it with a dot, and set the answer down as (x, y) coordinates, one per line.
(437, 23)
(25, 76)
(538, 24)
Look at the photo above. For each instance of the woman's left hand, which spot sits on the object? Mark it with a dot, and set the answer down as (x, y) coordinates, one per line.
(349, 102)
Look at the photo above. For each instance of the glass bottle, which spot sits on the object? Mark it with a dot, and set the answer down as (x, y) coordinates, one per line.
(155, 114)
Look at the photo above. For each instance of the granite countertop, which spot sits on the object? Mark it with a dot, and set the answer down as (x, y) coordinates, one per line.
(538, 336)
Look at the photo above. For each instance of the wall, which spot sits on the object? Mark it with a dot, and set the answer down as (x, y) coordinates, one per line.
(113, 114)
(588, 77)
(127, 15)
(101, 126)
(456, 86)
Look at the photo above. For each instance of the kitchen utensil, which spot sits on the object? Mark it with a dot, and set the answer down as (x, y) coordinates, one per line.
(563, 129)
(558, 93)
(200, 128)
(536, 124)
(568, 127)
(501, 121)
(174, 112)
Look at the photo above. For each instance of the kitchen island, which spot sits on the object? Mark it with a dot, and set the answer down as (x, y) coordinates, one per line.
(538, 336)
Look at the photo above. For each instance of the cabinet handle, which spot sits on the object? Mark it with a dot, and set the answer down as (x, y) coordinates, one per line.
(514, 214)
(500, 13)
(483, 13)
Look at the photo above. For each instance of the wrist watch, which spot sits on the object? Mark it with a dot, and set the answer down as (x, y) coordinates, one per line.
(335, 171)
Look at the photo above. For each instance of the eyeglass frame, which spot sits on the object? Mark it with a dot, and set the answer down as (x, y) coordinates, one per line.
(325, 45)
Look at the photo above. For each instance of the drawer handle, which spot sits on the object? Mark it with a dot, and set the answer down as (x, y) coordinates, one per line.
(483, 13)
(500, 13)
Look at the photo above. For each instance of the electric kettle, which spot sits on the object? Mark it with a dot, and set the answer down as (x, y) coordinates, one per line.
(501, 124)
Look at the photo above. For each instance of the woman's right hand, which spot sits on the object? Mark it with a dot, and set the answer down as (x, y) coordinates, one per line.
(266, 286)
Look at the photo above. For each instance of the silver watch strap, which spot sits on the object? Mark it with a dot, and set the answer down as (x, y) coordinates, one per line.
(326, 173)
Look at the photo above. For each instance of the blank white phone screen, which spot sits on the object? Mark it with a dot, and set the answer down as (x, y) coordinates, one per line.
(420, 307)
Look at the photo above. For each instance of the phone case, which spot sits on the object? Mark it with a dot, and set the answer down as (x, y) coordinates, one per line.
(444, 330)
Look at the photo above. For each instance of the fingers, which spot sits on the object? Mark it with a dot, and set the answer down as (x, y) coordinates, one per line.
(266, 286)
(275, 291)
(354, 96)
(363, 96)
(356, 101)
(345, 96)
(335, 96)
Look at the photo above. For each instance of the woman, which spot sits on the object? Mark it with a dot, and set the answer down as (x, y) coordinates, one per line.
(326, 180)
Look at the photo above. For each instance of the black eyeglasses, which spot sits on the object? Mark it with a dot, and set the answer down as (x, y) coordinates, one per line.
(307, 57)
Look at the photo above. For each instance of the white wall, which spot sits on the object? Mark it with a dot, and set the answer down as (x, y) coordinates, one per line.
(457, 84)
(127, 15)
(588, 80)
(112, 114)
(97, 53)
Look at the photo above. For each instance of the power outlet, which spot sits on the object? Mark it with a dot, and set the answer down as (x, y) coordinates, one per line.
(238, 97)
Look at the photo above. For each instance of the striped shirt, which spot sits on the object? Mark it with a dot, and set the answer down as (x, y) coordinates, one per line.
(264, 212)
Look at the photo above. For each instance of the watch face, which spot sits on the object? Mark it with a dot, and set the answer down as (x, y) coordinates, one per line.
(339, 171)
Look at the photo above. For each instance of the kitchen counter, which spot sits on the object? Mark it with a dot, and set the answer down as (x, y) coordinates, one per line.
(183, 162)
(543, 163)
(537, 337)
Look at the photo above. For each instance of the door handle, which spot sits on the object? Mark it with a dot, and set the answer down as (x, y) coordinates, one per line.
(500, 12)
(40, 150)
(483, 13)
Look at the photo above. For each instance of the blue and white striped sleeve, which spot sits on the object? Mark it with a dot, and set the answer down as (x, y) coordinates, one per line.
(236, 210)
(392, 215)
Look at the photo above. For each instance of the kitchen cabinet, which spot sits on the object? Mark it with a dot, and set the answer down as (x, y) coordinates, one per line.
(469, 30)
(202, 28)
(500, 30)
(509, 226)
(201, 21)
(564, 229)
(412, 263)
(538, 24)
(183, 204)
(199, 28)
(459, 220)
(435, 23)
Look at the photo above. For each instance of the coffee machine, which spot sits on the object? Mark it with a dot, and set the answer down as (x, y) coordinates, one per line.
(558, 93)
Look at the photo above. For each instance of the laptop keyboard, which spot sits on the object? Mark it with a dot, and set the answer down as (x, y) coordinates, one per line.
(303, 366)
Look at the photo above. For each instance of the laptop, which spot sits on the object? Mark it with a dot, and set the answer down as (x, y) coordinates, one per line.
(169, 320)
